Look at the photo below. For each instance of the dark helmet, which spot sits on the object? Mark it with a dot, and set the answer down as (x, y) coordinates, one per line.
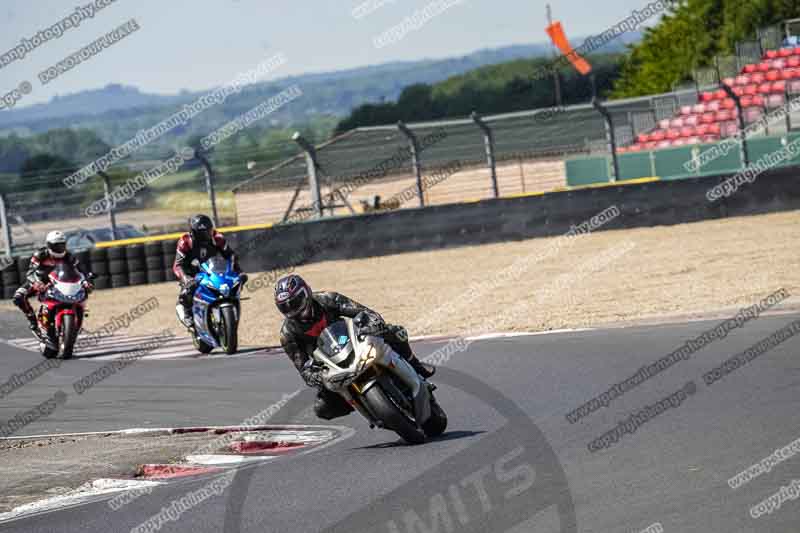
(202, 229)
(292, 296)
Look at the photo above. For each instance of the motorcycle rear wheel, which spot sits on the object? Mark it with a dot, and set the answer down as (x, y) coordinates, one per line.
(67, 336)
(391, 415)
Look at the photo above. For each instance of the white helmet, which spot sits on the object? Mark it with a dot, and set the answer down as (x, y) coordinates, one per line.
(56, 243)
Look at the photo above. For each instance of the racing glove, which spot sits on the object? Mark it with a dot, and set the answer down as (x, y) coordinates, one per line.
(369, 326)
(312, 373)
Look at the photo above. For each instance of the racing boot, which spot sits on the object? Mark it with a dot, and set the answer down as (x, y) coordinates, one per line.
(184, 316)
(425, 371)
(33, 323)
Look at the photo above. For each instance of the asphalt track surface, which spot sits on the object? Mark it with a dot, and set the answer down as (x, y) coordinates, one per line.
(510, 460)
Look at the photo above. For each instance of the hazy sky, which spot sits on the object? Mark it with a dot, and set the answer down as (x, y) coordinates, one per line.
(201, 44)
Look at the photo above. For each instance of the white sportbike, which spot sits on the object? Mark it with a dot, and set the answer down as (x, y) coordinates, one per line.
(378, 382)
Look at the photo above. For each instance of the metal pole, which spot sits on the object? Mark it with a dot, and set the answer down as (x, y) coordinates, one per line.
(112, 219)
(311, 164)
(488, 140)
(6, 226)
(212, 197)
(414, 145)
(612, 141)
(738, 102)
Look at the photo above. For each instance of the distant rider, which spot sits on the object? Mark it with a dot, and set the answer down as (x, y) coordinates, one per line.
(44, 261)
(201, 243)
(308, 313)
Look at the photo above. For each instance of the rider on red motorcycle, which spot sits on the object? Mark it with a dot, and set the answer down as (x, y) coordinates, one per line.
(44, 261)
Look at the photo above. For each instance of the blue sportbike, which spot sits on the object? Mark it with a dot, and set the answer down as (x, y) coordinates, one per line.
(216, 306)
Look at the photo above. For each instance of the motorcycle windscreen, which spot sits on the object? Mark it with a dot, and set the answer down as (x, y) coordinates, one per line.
(334, 342)
(67, 280)
(217, 265)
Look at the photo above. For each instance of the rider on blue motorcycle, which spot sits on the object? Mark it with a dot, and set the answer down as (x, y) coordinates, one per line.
(201, 243)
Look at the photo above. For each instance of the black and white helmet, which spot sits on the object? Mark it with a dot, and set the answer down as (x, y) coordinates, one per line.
(293, 296)
(56, 243)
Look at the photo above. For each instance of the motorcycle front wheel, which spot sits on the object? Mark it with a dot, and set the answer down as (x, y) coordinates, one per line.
(67, 336)
(229, 331)
(393, 418)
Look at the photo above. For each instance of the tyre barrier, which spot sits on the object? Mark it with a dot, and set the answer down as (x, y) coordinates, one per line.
(136, 264)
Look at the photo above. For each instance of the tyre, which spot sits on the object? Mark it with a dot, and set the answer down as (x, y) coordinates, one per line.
(391, 415)
(119, 280)
(137, 278)
(137, 264)
(98, 255)
(118, 267)
(22, 266)
(200, 345)
(99, 267)
(8, 291)
(116, 253)
(84, 258)
(437, 423)
(169, 275)
(168, 246)
(153, 249)
(10, 277)
(67, 336)
(102, 282)
(134, 251)
(229, 330)
(154, 263)
(168, 259)
(155, 276)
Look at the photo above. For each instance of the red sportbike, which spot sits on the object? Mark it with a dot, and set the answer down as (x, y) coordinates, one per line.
(62, 310)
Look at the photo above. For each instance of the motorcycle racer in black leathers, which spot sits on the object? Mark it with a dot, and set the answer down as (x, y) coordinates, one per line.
(308, 314)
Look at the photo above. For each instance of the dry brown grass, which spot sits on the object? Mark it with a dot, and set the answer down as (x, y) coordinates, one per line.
(673, 270)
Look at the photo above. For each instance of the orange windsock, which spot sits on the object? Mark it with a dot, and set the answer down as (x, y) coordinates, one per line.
(556, 33)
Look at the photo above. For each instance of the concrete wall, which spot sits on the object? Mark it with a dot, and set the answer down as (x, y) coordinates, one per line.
(649, 204)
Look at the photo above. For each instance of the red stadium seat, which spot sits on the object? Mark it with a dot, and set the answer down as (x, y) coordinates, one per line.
(785, 52)
(778, 64)
(643, 137)
(710, 139)
(673, 133)
(663, 124)
(749, 69)
(702, 129)
(776, 100)
(687, 131)
(790, 73)
(751, 89)
(679, 142)
(793, 61)
(729, 81)
(771, 54)
(676, 122)
(658, 135)
(621, 149)
(738, 91)
(773, 75)
(723, 115)
(699, 108)
(634, 148)
(720, 94)
(693, 140)
(765, 88)
(708, 118)
(728, 103)
(779, 87)
(758, 78)
(691, 120)
(651, 145)
(728, 129)
(706, 96)
(758, 100)
(764, 66)
(747, 101)
(743, 79)
(665, 144)
(686, 110)
(713, 106)
(714, 129)
(796, 50)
